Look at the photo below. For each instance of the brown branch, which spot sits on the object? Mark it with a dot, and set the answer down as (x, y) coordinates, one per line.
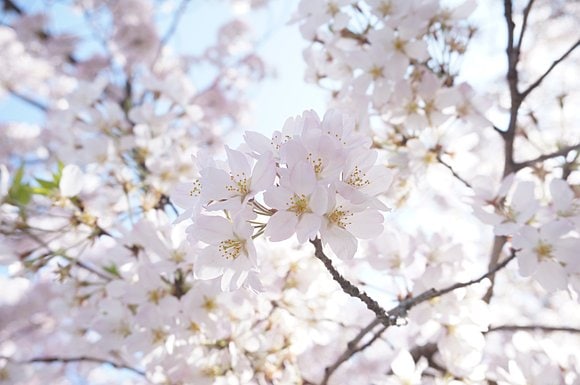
(516, 100)
(11, 6)
(455, 174)
(29, 100)
(432, 293)
(68, 360)
(524, 25)
(535, 84)
(561, 152)
(513, 55)
(351, 351)
(514, 328)
(394, 315)
(349, 288)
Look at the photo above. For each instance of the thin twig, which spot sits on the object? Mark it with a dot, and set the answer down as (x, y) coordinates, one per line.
(535, 84)
(432, 293)
(561, 152)
(455, 174)
(348, 287)
(391, 316)
(67, 360)
(524, 25)
(347, 354)
(543, 328)
(29, 100)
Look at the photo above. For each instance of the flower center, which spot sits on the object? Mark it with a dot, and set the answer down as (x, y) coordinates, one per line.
(231, 248)
(316, 163)
(196, 190)
(357, 178)
(298, 204)
(340, 217)
(239, 184)
(376, 72)
(543, 251)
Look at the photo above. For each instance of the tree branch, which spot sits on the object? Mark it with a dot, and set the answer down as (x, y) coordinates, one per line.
(561, 152)
(348, 287)
(68, 360)
(455, 174)
(351, 351)
(535, 84)
(393, 315)
(512, 79)
(515, 328)
(524, 25)
(432, 293)
(29, 100)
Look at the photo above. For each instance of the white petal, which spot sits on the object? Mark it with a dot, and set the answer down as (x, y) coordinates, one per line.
(208, 264)
(71, 181)
(403, 365)
(308, 227)
(281, 226)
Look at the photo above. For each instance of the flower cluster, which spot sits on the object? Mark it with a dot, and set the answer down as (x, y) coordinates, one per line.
(312, 179)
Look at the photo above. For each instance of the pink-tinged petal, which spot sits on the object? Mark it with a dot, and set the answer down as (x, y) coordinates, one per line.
(566, 251)
(278, 197)
(209, 264)
(527, 262)
(308, 227)
(319, 199)
(238, 162)
(303, 178)
(257, 142)
(553, 230)
(183, 195)
(505, 186)
(212, 229)
(264, 173)
(367, 224)
(562, 194)
(523, 196)
(71, 181)
(527, 237)
(281, 226)
(214, 182)
(342, 243)
(551, 276)
(292, 152)
(148, 237)
(380, 179)
(310, 121)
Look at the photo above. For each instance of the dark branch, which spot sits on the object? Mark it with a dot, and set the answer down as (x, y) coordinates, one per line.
(348, 287)
(562, 152)
(68, 360)
(515, 328)
(393, 315)
(29, 100)
(524, 25)
(351, 351)
(432, 293)
(11, 6)
(455, 174)
(535, 84)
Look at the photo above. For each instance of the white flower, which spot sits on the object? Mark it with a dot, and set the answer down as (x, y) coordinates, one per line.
(230, 253)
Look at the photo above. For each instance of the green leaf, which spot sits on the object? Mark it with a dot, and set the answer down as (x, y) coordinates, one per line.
(113, 270)
(47, 184)
(19, 193)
